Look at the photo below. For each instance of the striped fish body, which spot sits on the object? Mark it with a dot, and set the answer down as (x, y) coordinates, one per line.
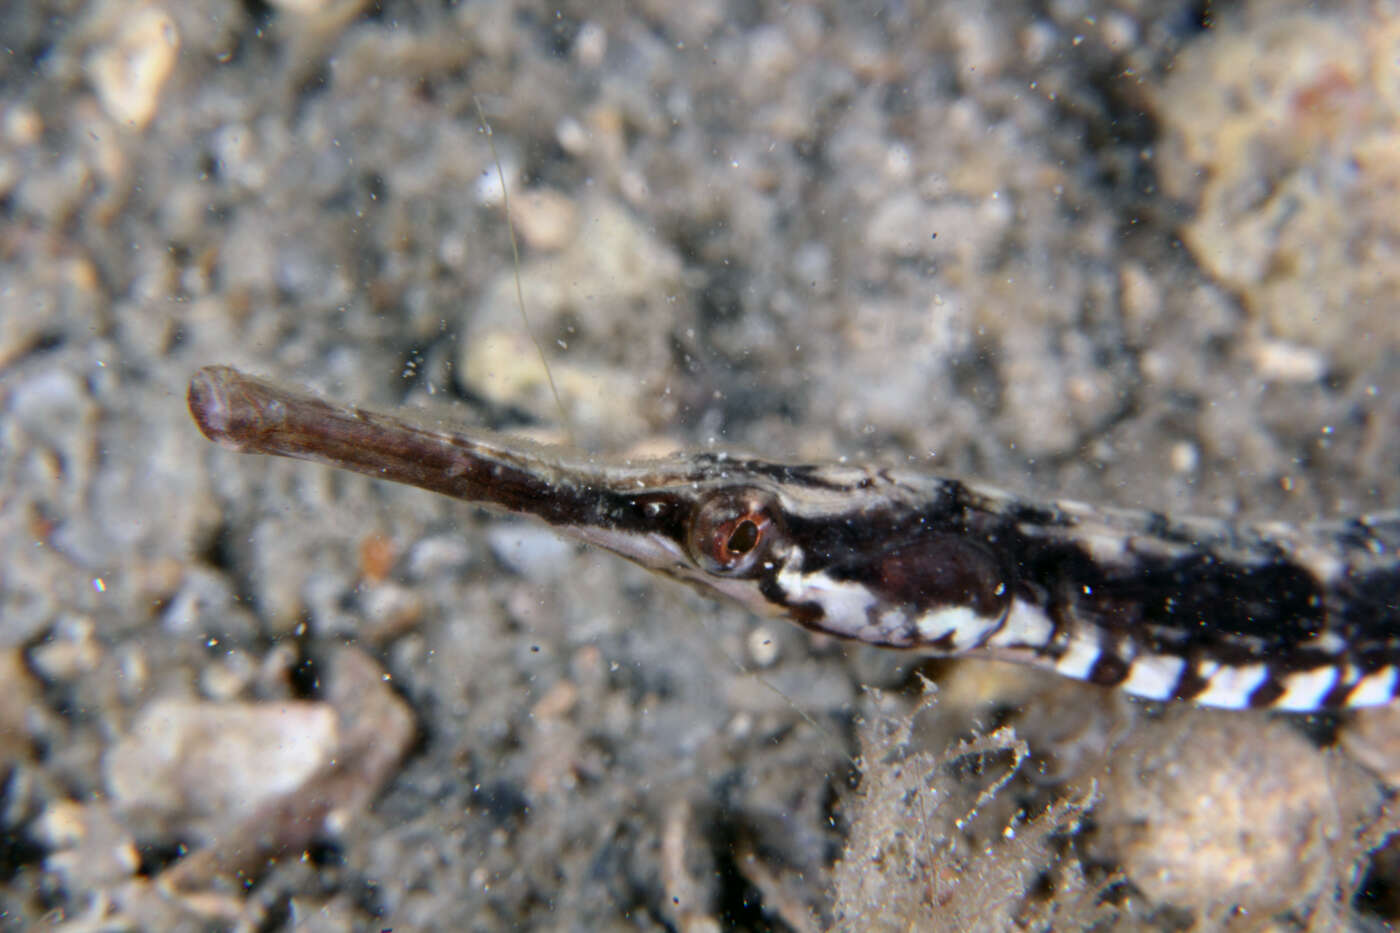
(1224, 614)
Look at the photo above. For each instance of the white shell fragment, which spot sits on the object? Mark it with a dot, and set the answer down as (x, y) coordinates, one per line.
(129, 71)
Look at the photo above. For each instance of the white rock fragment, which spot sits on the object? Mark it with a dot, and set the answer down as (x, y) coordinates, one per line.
(89, 847)
(21, 125)
(1185, 457)
(228, 678)
(763, 647)
(547, 219)
(130, 70)
(572, 137)
(1281, 361)
(204, 599)
(300, 7)
(211, 765)
(591, 45)
(287, 772)
(390, 610)
(1218, 810)
(537, 554)
(611, 261)
(438, 554)
(71, 650)
(1120, 33)
(488, 184)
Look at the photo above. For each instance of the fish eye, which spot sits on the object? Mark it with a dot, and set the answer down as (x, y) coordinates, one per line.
(732, 531)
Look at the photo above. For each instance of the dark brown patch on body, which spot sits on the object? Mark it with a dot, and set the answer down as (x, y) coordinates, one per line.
(1189, 684)
(1267, 693)
(1109, 669)
(934, 571)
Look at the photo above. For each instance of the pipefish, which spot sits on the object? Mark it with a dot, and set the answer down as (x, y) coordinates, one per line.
(1292, 617)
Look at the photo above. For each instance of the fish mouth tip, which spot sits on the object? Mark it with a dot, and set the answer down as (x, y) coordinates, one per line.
(214, 403)
(207, 404)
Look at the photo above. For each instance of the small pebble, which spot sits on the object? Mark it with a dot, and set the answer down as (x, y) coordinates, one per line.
(130, 70)
(71, 650)
(547, 219)
(214, 764)
(438, 554)
(1280, 361)
(1185, 457)
(535, 553)
(763, 647)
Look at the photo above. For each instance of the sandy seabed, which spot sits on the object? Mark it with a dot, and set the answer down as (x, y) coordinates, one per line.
(1118, 252)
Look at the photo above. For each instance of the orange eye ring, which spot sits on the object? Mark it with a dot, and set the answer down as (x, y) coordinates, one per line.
(731, 533)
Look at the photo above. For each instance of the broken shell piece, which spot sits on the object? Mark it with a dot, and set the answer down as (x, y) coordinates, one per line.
(205, 767)
(129, 72)
(374, 728)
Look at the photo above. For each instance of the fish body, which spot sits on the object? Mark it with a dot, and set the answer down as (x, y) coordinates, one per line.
(1220, 613)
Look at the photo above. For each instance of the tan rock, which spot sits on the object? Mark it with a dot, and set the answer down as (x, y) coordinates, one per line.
(129, 71)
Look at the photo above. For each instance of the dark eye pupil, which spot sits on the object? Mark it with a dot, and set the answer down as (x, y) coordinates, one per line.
(744, 538)
(735, 533)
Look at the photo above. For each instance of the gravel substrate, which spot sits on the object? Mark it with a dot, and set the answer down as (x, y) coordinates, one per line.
(1122, 252)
